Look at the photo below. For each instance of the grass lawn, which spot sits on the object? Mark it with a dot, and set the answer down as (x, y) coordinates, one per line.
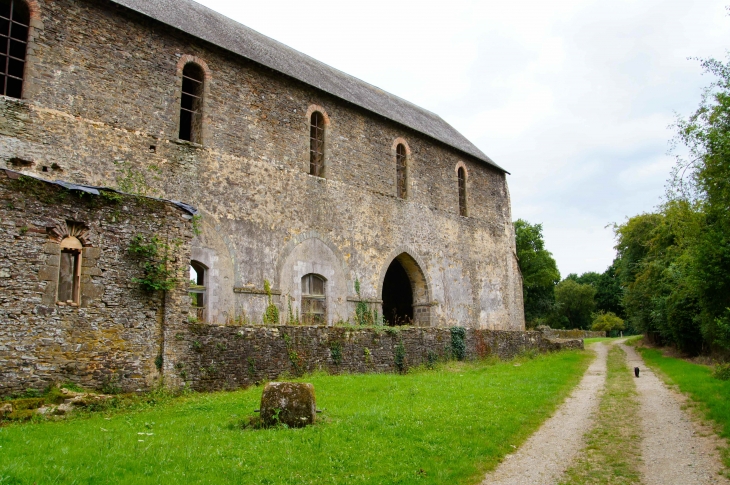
(711, 394)
(447, 425)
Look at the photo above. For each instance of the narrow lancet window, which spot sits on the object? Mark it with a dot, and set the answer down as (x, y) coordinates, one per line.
(14, 22)
(400, 170)
(69, 272)
(316, 145)
(462, 191)
(191, 103)
(314, 300)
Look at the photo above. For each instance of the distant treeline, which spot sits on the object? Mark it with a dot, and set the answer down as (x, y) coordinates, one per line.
(671, 276)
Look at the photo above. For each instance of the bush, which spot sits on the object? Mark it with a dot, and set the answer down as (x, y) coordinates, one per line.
(607, 322)
(722, 372)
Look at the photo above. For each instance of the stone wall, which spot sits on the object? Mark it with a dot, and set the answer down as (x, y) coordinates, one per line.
(115, 334)
(102, 97)
(228, 357)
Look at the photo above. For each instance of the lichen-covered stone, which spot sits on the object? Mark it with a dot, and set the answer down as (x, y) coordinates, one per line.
(290, 403)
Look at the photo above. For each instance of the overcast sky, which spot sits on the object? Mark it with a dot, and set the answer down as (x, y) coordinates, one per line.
(574, 98)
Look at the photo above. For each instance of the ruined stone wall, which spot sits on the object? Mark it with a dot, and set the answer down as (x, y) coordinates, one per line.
(228, 357)
(102, 101)
(116, 332)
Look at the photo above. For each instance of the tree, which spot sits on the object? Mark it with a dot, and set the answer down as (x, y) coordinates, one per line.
(607, 322)
(539, 271)
(574, 305)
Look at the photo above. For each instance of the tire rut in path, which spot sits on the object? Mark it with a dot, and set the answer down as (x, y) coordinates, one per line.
(674, 452)
(545, 456)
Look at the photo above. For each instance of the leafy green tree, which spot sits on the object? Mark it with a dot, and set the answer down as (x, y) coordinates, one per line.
(539, 271)
(607, 322)
(705, 179)
(608, 288)
(574, 304)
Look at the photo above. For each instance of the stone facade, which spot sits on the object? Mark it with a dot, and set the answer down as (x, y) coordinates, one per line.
(101, 106)
(115, 333)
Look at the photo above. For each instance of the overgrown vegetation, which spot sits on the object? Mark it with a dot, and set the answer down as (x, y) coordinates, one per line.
(458, 342)
(612, 451)
(271, 314)
(430, 427)
(156, 261)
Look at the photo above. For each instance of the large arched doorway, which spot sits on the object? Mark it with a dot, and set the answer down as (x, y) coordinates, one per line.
(405, 293)
(397, 295)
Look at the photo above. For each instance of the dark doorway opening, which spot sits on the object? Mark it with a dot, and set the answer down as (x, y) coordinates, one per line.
(397, 295)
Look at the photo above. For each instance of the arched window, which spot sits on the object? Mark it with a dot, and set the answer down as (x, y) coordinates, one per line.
(316, 144)
(462, 191)
(14, 22)
(191, 103)
(314, 300)
(197, 288)
(69, 272)
(400, 170)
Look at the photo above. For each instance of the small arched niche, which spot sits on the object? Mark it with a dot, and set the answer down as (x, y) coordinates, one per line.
(69, 272)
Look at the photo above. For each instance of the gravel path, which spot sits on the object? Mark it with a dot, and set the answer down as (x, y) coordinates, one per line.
(543, 458)
(674, 450)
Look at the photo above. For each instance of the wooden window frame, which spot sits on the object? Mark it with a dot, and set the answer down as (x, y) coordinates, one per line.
(308, 298)
(317, 124)
(14, 44)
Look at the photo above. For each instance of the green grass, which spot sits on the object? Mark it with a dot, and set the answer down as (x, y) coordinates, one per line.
(593, 340)
(612, 450)
(710, 394)
(449, 425)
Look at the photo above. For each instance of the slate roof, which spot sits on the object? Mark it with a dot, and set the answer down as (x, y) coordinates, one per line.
(203, 23)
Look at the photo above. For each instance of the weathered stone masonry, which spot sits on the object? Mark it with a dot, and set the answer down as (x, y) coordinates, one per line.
(103, 86)
(115, 333)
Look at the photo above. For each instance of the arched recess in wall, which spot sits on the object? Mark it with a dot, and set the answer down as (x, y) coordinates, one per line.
(401, 153)
(194, 88)
(318, 128)
(210, 250)
(405, 290)
(462, 179)
(311, 253)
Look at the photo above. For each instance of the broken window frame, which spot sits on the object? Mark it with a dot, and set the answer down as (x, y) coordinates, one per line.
(314, 305)
(401, 175)
(197, 290)
(17, 18)
(461, 174)
(316, 144)
(70, 248)
(191, 103)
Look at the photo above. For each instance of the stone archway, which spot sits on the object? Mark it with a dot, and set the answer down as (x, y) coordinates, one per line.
(405, 293)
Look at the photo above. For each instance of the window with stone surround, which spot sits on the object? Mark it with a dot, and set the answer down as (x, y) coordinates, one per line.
(461, 172)
(69, 272)
(197, 288)
(314, 300)
(191, 103)
(14, 26)
(316, 144)
(400, 170)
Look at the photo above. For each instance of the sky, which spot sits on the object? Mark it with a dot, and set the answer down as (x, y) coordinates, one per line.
(576, 99)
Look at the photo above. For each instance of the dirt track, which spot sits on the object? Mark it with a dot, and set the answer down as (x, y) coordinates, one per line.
(676, 450)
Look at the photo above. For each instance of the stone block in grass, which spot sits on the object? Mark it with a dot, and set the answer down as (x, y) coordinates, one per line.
(289, 403)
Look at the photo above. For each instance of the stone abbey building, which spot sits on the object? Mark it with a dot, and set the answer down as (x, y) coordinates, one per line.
(302, 176)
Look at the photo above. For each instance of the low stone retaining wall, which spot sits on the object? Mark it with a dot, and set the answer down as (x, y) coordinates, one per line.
(569, 334)
(228, 357)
